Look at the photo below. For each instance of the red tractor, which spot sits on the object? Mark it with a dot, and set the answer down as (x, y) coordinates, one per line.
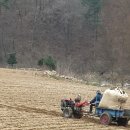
(71, 108)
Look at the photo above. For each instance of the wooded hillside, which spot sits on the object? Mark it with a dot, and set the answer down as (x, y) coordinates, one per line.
(81, 35)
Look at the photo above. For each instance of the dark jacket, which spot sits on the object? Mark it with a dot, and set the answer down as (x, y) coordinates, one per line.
(96, 99)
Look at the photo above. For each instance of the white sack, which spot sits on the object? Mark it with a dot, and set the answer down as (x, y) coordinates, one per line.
(114, 99)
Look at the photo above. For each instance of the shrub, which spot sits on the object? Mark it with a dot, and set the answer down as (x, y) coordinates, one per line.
(50, 63)
(40, 62)
(12, 59)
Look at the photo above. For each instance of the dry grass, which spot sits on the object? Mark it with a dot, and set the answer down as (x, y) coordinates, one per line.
(31, 101)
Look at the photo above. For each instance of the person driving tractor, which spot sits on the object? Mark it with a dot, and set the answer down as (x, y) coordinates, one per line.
(95, 101)
(78, 98)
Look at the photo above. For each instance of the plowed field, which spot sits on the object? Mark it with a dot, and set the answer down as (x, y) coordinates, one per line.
(31, 101)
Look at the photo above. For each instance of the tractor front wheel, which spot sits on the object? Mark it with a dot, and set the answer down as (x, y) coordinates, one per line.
(67, 112)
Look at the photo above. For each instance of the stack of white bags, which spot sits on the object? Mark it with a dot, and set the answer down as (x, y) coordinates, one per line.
(114, 99)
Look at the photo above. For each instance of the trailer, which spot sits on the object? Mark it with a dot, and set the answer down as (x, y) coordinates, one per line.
(107, 116)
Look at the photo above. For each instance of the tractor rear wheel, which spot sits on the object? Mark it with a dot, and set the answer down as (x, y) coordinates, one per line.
(78, 115)
(67, 112)
(105, 118)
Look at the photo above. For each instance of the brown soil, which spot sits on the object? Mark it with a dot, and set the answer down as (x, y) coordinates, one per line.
(31, 101)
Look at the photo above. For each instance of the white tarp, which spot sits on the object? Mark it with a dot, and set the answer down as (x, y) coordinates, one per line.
(114, 99)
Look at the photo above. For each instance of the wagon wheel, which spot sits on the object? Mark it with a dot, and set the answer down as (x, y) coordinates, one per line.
(67, 112)
(105, 118)
(122, 122)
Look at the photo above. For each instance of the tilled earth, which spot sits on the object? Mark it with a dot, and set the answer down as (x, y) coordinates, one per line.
(31, 101)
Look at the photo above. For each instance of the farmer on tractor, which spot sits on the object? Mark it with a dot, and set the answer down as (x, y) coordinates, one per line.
(95, 101)
(78, 98)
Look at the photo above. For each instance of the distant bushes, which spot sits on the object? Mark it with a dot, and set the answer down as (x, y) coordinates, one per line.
(49, 62)
(40, 62)
(12, 59)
